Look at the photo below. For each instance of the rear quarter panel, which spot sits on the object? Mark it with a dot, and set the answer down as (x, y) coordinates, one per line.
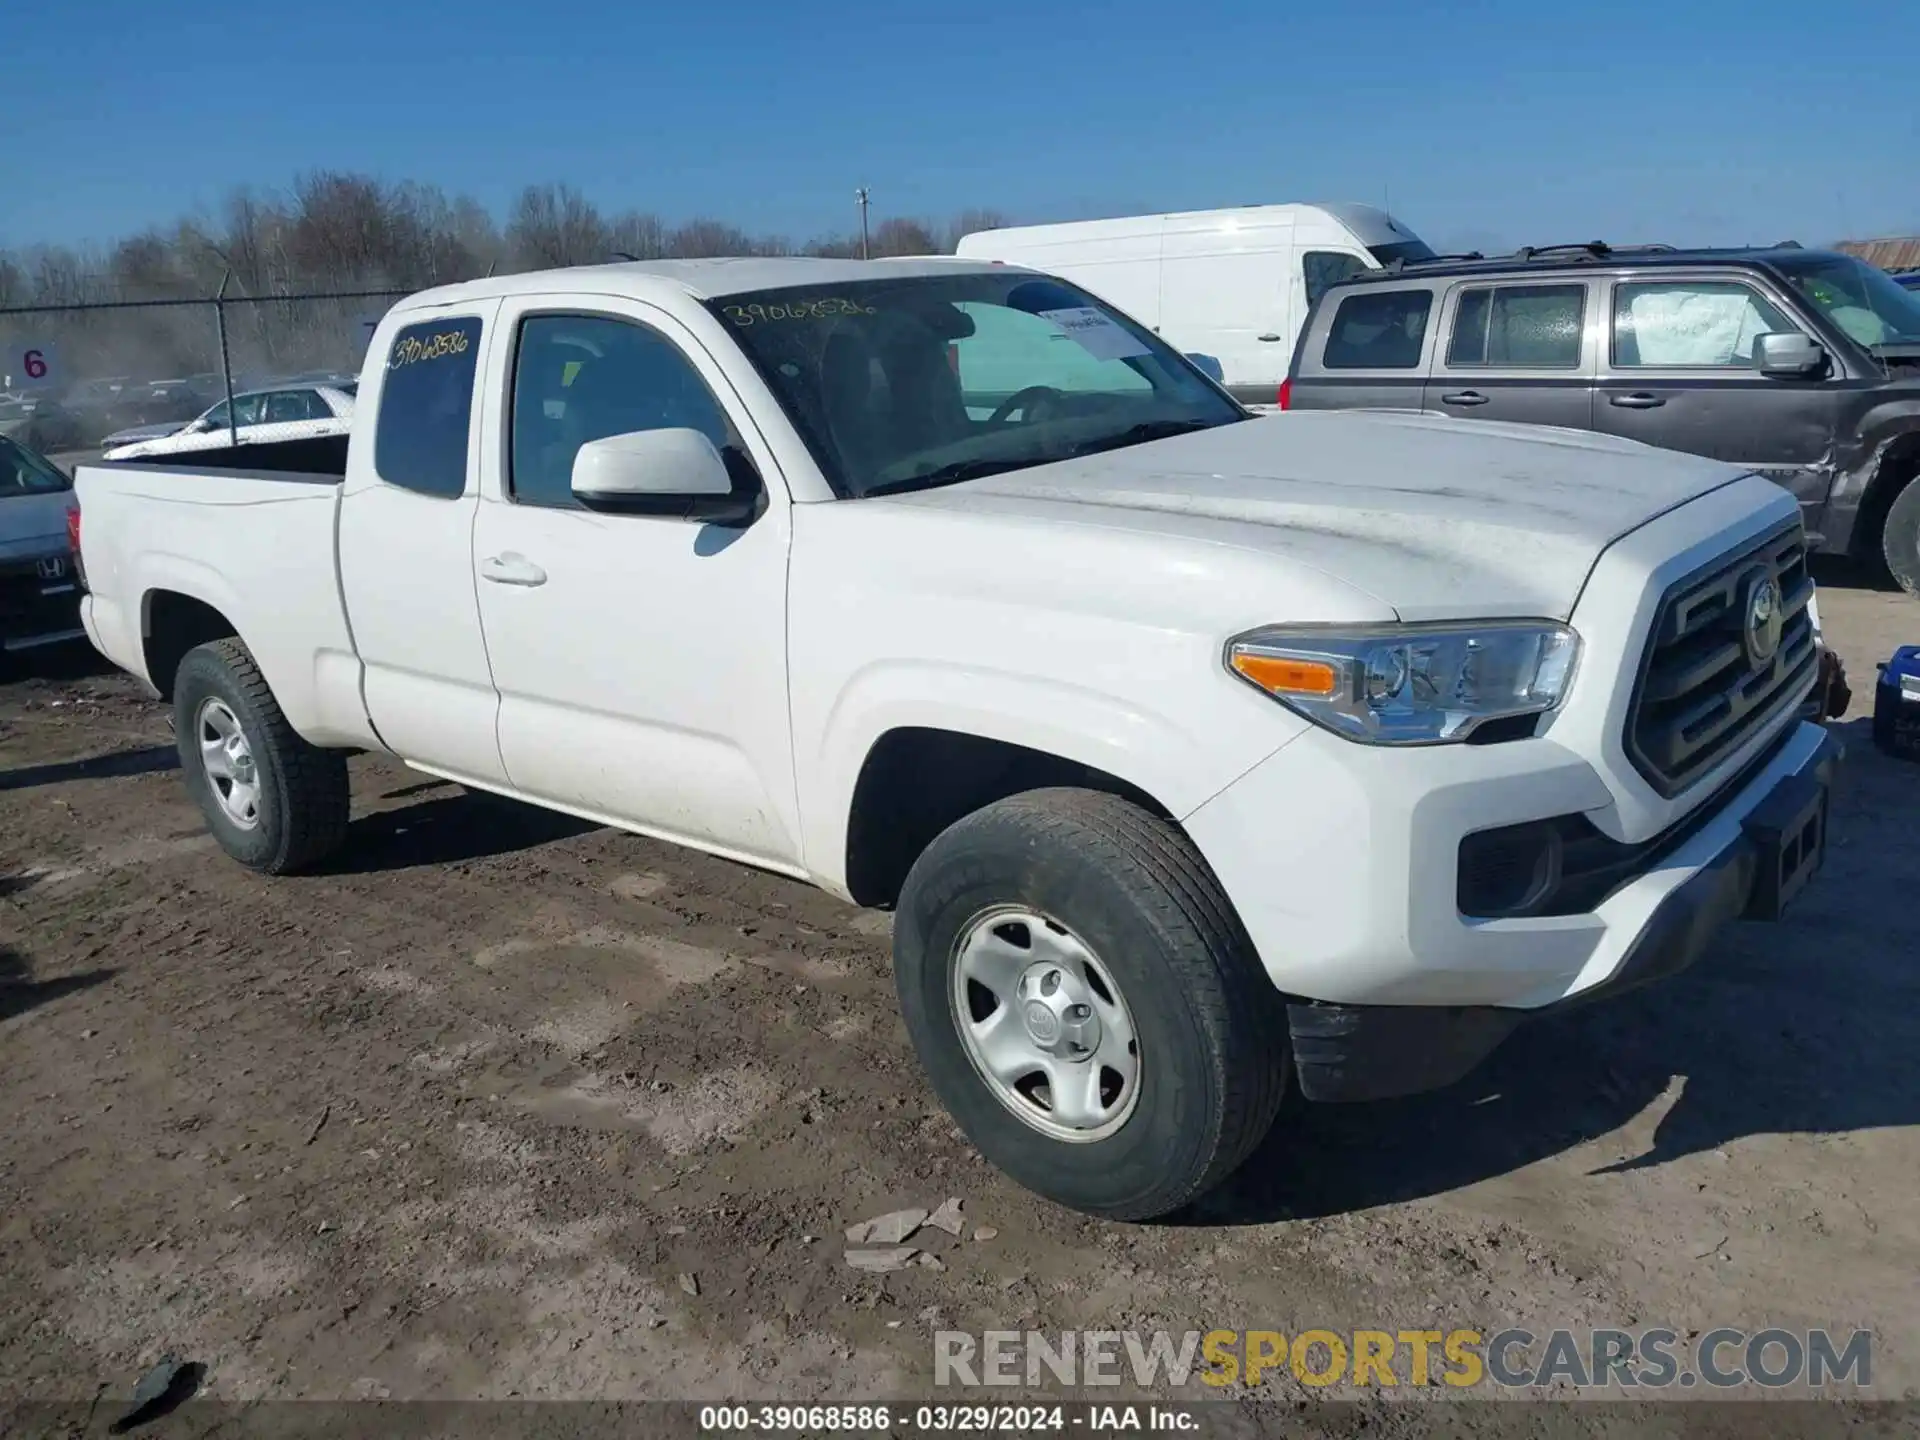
(257, 548)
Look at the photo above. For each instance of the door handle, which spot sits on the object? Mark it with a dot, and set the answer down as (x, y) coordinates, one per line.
(511, 569)
(1464, 397)
(1269, 338)
(1640, 400)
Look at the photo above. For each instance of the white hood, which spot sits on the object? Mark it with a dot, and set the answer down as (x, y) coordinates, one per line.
(1434, 517)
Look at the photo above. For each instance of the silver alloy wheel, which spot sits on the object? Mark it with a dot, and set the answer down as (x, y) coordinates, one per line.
(1045, 1024)
(228, 761)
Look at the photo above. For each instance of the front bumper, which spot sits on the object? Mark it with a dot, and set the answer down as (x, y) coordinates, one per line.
(1724, 868)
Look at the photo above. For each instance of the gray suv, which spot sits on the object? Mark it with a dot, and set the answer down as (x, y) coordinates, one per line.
(1801, 364)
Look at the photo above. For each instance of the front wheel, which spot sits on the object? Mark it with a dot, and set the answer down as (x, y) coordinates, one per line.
(1900, 537)
(274, 802)
(1086, 1004)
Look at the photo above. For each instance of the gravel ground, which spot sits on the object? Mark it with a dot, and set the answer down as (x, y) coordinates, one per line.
(506, 1105)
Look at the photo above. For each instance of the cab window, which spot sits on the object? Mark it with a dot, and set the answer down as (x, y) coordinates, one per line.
(584, 377)
(426, 404)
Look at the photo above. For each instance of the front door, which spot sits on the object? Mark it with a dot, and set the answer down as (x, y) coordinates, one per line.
(406, 549)
(641, 661)
(1679, 374)
(1515, 352)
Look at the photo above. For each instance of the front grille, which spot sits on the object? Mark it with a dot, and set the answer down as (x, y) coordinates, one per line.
(1706, 685)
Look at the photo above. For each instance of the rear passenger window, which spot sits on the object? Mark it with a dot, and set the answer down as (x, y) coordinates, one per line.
(1519, 327)
(420, 438)
(1379, 330)
(1326, 268)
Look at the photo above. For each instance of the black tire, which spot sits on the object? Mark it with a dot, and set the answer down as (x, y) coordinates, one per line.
(303, 790)
(1900, 538)
(1211, 1028)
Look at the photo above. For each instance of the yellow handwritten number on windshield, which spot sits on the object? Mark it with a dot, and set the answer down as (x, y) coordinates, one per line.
(745, 315)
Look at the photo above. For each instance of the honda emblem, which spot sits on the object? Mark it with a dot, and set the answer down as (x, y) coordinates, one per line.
(52, 567)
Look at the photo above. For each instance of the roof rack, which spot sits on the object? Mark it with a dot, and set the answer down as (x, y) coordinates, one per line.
(1594, 249)
(1587, 250)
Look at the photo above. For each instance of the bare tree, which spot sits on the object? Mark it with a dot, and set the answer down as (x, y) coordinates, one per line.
(555, 225)
(904, 237)
(967, 222)
(335, 230)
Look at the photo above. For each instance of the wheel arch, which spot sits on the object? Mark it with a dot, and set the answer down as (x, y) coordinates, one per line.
(1894, 462)
(916, 780)
(172, 623)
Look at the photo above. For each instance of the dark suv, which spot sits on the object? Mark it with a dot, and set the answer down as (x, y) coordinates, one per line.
(1801, 364)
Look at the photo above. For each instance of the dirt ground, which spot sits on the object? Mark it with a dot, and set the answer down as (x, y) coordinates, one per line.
(506, 1105)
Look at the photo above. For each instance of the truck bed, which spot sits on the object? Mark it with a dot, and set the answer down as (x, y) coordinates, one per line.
(310, 458)
(245, 534)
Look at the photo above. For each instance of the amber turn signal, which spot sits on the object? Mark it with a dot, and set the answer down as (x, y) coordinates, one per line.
(1287, 674)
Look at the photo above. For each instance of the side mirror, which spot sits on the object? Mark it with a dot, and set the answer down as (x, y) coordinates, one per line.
(674, 473)
(1788, 354)
(1210, 366)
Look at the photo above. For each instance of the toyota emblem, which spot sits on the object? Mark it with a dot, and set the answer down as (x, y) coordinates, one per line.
(1760, 630)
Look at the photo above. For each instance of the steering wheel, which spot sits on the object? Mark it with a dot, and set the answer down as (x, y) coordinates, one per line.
(1027, 401)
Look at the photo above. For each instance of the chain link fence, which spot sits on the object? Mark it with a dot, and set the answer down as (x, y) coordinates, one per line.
(72, 375)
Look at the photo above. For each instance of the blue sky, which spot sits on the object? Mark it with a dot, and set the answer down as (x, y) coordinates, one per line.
(1479, 122)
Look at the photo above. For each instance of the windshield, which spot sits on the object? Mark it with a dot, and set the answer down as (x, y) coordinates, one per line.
(24, 473)
(1863, 300)
(925, 380)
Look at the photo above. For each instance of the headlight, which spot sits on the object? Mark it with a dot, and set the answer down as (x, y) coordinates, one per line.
(1409, 684)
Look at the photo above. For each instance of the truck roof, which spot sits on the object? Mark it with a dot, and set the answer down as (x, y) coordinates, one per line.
(704, 279)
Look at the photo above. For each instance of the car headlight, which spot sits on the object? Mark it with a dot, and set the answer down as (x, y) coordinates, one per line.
(1409, 684)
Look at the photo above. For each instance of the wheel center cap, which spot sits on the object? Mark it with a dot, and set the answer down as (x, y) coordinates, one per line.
(1042, 1024)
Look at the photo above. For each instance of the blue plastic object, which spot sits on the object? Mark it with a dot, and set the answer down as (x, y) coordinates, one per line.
(1896, 704)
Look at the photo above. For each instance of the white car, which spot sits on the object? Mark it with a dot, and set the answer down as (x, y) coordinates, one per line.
(259, 417)
(1198, 755)
(1235, 285)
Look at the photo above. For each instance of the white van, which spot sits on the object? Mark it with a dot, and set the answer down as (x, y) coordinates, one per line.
(1232, 284)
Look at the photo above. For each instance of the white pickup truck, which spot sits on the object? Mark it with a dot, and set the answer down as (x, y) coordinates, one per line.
(1197, 754)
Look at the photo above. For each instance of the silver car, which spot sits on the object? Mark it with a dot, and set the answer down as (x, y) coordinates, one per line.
(39, 592)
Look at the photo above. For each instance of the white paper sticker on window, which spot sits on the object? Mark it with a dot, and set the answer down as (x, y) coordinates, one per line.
(1095, 332)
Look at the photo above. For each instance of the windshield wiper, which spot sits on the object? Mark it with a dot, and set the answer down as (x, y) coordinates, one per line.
(947, 475)
(1139, 434)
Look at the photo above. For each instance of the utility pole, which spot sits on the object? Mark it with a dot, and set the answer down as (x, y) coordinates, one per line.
(860, 196)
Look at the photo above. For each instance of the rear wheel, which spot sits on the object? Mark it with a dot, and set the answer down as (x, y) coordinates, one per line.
(274, 802)
(1900, 537)
(1086, 1004)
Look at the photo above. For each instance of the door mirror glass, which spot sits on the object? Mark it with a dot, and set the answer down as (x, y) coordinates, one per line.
(1788, 353)
(672, 472)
